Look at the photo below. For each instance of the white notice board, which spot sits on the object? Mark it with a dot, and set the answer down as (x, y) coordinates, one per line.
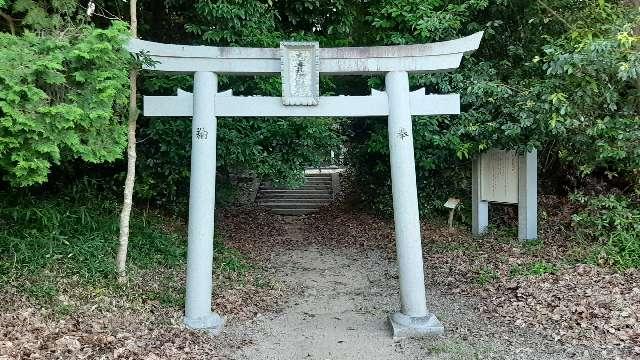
(499, 176)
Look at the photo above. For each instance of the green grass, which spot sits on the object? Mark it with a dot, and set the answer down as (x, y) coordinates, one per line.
(532, 247)
(537, 268)
(608, 228)
(78, 238)
(46, 240)
(486, 275)
(228, 259)
(41, 291)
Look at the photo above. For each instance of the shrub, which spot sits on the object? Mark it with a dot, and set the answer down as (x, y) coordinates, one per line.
(74, 233)
(612, 223)
(569, 91)
(62, 97)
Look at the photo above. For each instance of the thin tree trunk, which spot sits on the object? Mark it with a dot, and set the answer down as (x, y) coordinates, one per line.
(10, 20)
(121, 259)
(555, 14)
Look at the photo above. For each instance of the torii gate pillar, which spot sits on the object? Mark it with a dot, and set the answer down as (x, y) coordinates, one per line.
(202, 195)
(414, 319)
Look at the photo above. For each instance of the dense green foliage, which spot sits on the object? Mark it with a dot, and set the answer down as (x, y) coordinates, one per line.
(566, 83)
(68, 101)
(613, 223)
(275, 149)
(44, 17)
(593, 109)
(270, 148)
(60, 99)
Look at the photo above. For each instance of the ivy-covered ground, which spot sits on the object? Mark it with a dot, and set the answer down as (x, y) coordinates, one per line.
(330, 280)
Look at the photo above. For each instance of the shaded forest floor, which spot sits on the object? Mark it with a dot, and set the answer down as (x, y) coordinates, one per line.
(320, 287)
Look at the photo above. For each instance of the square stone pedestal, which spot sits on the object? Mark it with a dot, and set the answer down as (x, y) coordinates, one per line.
(211, 323)
(404, 326)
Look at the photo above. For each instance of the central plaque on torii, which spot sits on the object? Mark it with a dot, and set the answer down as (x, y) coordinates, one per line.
(300, 73)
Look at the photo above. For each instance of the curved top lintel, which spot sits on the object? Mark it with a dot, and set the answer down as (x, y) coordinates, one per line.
(420, 57)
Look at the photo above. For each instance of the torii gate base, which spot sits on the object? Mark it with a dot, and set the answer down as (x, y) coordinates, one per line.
(396, 102)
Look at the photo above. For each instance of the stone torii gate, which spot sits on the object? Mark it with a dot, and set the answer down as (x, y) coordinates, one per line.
(299, 65)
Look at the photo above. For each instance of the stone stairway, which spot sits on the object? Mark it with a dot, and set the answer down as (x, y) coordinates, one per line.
(316, 192)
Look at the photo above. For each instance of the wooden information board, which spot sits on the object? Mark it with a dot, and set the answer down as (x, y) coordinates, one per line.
(499, 176)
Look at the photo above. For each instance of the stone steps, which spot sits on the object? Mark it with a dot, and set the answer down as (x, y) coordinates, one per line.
(315, 193)
(303, 194)
(303, 187)
(293, 212)
(298, 205)
(296, 200)
(318, 183)
(317, 175)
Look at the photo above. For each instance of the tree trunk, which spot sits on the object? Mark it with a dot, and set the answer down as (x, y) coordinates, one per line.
(10, 21)
(125, 214)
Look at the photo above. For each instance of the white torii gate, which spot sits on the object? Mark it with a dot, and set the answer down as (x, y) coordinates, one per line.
(300, 65)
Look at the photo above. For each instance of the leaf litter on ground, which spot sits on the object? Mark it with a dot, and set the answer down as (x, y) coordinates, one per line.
(571, 303)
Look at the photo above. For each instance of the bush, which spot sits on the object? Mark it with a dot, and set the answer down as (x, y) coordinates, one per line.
(612, 223)
(572, 92)
(62, 97)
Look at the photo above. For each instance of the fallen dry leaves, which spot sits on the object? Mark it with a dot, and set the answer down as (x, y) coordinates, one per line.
(577, 305)
(581, 305)
(119, 327)
(31, 333)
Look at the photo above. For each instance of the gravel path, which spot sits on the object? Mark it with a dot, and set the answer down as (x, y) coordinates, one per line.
(339, 301)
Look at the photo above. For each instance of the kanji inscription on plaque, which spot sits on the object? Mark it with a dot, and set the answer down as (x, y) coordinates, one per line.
(300, 73)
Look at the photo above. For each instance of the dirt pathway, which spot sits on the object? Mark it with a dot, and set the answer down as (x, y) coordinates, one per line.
(339, 301)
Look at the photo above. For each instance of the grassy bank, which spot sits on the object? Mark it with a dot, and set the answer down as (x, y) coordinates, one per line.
(60, 242)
